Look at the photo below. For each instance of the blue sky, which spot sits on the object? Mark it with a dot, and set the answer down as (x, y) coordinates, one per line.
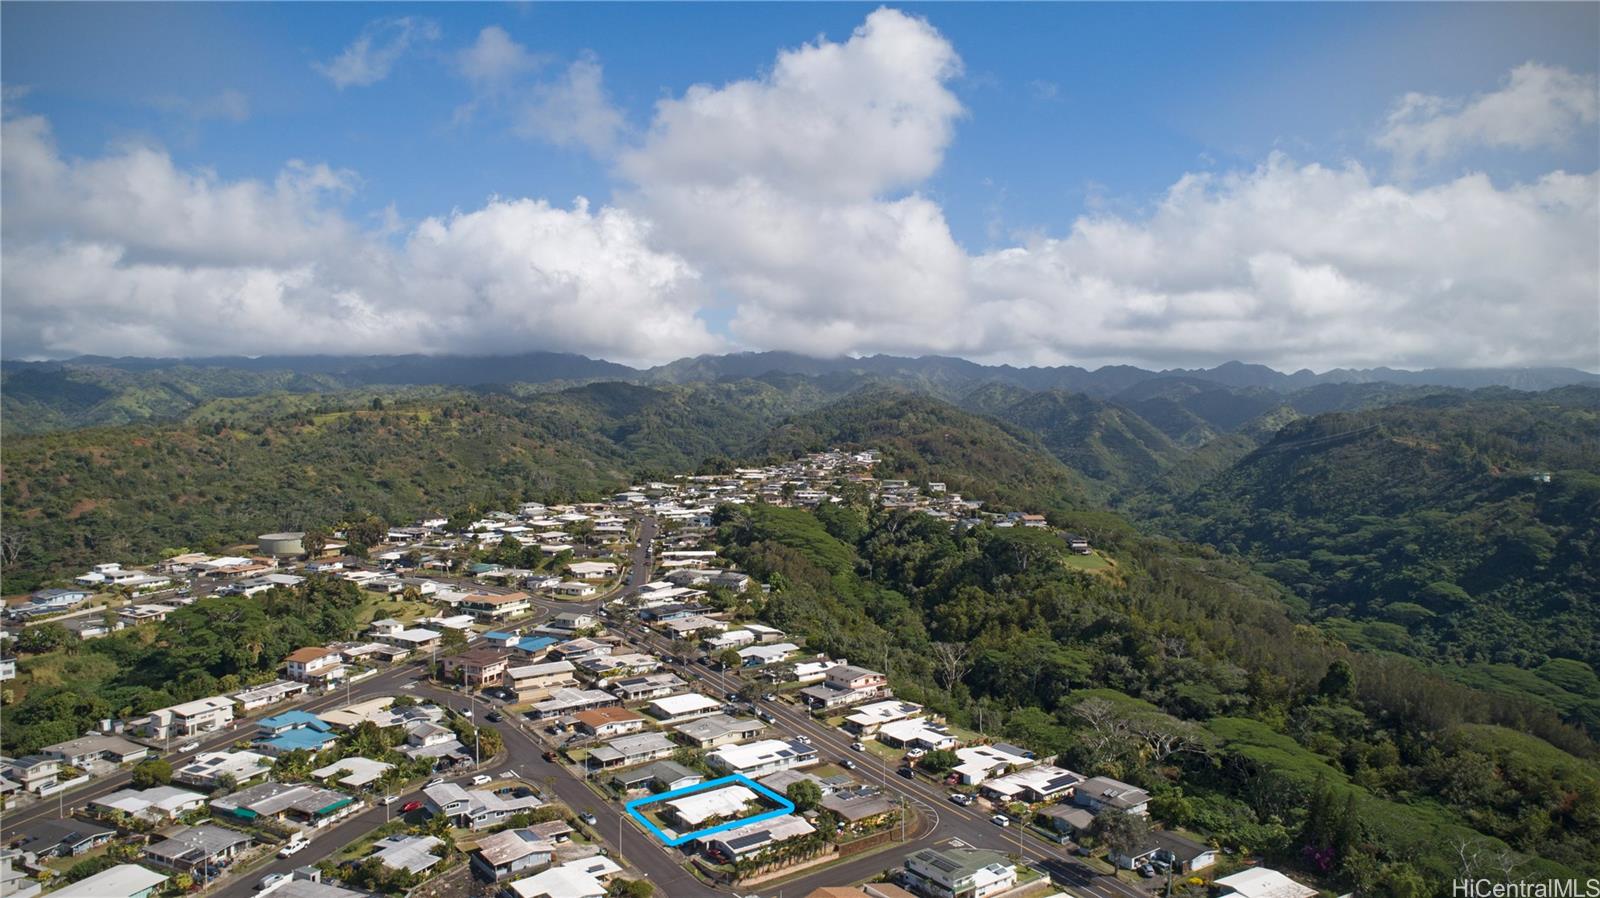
(1067, 113)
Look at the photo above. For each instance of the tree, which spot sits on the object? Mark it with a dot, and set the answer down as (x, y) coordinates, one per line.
(1339, 682)
(630, 888)
(805, 794)
(153, 772)
(939, 761)
(315, 540)
(729, 658)
(42, 638)
(452, 640)
(1120, 831)
(954, 660)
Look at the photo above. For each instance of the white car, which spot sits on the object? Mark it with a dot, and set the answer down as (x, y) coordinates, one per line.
(482, 779)
(1000, 820)
(270, 880)
(436, 781)
(916, 753)
(294, 847)
(390, 799)
(188, 746)
(857, 746)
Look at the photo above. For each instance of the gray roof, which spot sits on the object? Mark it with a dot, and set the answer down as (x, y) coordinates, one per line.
(196, 843)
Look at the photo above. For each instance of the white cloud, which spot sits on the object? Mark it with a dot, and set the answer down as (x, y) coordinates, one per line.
(1538, 106)
(127, 254)
(573, 111)
(494, 59)
(373, 54)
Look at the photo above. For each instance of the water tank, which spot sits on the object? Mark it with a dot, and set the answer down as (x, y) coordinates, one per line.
(280, 544)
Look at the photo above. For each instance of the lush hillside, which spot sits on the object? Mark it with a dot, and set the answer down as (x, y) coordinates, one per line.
(249, 466)
(1188, 676)
(924, 439)
(1421, 527)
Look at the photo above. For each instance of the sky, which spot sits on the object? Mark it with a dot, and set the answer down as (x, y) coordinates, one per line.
(1299, 185)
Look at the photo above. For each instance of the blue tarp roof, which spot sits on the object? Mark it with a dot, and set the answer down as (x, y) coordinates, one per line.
(534, 643)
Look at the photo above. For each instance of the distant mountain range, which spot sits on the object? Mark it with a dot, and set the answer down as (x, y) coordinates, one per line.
(1189, 405)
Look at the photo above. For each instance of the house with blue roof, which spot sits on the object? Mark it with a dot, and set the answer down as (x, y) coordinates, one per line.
(533, 645)
(293, 731)
(501, 638)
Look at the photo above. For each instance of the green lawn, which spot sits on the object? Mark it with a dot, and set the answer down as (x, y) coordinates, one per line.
(1091, 562)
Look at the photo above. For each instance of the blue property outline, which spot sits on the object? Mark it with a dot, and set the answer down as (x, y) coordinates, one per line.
(785, 806)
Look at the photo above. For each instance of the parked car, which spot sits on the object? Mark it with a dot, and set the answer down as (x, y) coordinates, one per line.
(589, 818)
(494, 717)
(270, 880)
(188, 747)
(1000, 820)
(961, 798)
(466, 712)
(916, 753)
(436, 781)
(482, 779)
(294, 847)
(410, 806)
(549, 756)
(1147, 871)
(768, 697)
(390, 799)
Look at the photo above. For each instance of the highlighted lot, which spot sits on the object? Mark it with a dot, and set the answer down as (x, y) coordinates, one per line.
(785, 806)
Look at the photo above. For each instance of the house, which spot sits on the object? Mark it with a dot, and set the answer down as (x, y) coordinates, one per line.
(138, 614)
(858, 806)
(614, 665)
(731, 639)
(703, 808)
(675, 708)
(68, 837)
(32, 772)
(865, 720)
(478, 667)
(755, 837)
(662, 776)
(208, 768)
(718, 730)
(1103, 792)
(205, 715)
(865, 890)
(592, 570)
(261, 696)
(1185, 855)
(315, 665)
(959, 872)
(762, 757)
(121, 881)
(533, 646)
(979, 762)
(576, 650)
(355, 772)
(568, 624)
(1260, 882)
(474, 808)
(845, 685)
(486, 606)
(1077, 544)
(156, 804)
(570, 701)
(535, 681)
(292, 731)
(609, 721)
(1041, 783)
(502, 855)
(426, 739)
(50, 601)
(638, 689)
(92, 627)
(574, 588)
(196, 847)
(291, 802)
(917, 733)
(1068, 820)
(631, 750)
(692, 626)
(762, 655)
(413, 854)
(16, 883)
(582, 878)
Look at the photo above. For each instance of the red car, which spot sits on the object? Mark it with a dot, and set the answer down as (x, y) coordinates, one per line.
(410, 806)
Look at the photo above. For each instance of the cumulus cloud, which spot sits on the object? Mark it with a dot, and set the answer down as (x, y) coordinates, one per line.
(574, 110)
(373, 54)
(1538, 106)
(796, 198)
(128, 254)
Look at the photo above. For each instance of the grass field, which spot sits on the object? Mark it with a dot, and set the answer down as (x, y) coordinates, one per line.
(1092, 563)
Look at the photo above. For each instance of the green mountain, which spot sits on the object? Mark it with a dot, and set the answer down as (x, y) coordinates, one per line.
(1428, 527)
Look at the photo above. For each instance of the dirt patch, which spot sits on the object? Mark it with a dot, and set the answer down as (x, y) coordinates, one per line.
(83, 507)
